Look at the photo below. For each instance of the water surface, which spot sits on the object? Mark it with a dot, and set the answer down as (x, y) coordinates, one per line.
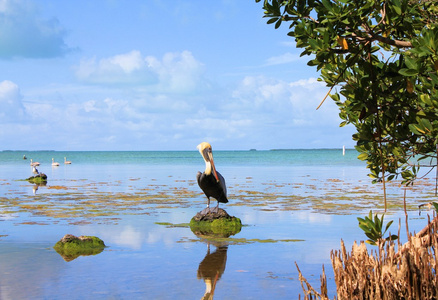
(296, 206)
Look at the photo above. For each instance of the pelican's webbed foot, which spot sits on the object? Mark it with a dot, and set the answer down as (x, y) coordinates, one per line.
(214, 209)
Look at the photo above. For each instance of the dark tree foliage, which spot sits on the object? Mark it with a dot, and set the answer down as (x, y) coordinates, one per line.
(380, 61)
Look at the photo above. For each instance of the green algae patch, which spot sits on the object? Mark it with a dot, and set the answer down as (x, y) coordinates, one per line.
(171, 225)
(86, 201)
(230, 225)
(71, 247)
(236, 241)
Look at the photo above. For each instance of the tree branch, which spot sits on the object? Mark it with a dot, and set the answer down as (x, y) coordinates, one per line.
(396, 43)
(376, 37)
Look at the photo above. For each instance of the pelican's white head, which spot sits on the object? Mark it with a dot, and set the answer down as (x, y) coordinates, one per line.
(207, 154)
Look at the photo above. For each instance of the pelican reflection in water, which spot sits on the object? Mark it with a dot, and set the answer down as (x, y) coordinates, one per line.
(35, 189)
(211, 181)
(211, 269)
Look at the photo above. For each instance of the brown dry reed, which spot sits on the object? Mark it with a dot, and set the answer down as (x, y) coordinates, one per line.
(408, 273)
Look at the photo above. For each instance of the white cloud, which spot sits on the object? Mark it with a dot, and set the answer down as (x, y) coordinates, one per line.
(301, 94)
(11, 106)
(277, 98)
(178, 71)
(283, 114)
(127, 68)
(174, 72)
(127, 62)
(23, 34)
(259, 113)
(285, 58)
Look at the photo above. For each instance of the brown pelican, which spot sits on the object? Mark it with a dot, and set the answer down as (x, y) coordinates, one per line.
(35, 170)
(34, 163)
(211, 181)
(54, 164)
(67, 162)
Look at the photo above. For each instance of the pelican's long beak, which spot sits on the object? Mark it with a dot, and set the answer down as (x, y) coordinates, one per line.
(213, 168)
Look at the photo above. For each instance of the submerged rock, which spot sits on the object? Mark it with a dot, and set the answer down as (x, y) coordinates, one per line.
(215, 222)
(70, 247)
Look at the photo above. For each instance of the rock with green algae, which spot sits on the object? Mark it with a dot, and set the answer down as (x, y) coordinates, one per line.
(71, 247)
(38, 179)
(215, 222)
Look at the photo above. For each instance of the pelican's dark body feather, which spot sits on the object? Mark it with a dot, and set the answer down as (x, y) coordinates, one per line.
(212, 188)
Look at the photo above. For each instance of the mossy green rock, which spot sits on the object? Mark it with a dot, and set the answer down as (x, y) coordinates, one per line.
(215, 222)
(70, 247)
(38, 179)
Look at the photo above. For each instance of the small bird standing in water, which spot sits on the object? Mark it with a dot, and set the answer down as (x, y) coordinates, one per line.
(211, 181)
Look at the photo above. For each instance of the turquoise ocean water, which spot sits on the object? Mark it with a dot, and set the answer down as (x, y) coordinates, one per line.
(331, 157)
(296, 206)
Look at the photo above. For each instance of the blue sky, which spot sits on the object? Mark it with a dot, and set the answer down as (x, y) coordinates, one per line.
(146, 75)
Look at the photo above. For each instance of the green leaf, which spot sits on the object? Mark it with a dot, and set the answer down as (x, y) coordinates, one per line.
(314, 44)
(364, 228)
(370, 236)
(411, 63)
(408, 72)
(396, 7)
(370, 242)
(321, 29)
(272, 20)
(414, 129)
(392, 237)
(425, 123)
(363, 156)
(387, 225)
(435, 205)
(426, 99)
(327, 5)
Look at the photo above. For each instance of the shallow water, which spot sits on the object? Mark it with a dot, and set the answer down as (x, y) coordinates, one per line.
(295, 207)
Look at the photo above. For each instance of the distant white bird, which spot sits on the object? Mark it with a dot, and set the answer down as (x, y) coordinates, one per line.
(67, 162)
(35, 170)
(34, 163)
(54, 164)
